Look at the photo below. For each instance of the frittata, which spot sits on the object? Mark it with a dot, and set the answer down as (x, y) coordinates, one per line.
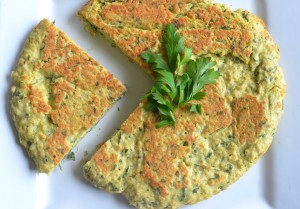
(59, 92)
(202, 154)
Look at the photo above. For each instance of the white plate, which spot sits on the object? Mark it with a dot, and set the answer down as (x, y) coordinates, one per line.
(272, 183)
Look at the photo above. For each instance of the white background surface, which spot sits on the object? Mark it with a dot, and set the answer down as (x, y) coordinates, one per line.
(273, 183)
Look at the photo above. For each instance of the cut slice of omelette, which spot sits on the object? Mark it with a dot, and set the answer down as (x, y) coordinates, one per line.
(59, 93)
(203, 154)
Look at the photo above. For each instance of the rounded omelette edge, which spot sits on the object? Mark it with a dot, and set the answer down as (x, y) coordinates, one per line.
(203, 154)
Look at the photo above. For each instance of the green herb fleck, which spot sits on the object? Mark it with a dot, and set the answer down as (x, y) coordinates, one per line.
(158, 190)
(112, 187)
(196, 108)
(126, 171)
(209, 155)
(196, 189)
(231, 137)
(86, 153)
(16, 94)
(85, 157)
(29, 143)
(71, 156)
(179, 80)
(60, 167)
(246, 16)
(183, 194)
(229, 168)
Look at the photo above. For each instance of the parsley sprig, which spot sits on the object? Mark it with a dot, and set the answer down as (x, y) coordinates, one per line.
(180, 79)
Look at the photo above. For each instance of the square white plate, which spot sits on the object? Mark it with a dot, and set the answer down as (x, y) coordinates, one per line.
(272, 183)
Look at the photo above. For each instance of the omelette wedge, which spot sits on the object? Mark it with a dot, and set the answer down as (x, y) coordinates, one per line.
(59, 93)
(202, 154)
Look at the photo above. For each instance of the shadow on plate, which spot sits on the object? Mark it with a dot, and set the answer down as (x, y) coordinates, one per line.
(122, 200)
(268, 177)
(261, 10)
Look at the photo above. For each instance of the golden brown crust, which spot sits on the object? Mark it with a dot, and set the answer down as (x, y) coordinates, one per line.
(214, 107)
(202, 154)
(133, 121)
(249, 118)
(131, 11)
(67, 92)
(157, 166)
(105, 160)
(207, 28)
(35, 98)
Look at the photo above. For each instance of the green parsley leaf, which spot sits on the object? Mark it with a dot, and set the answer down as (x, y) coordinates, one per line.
(151, 105)
(166, 113)
(182, 84)
(199, 95)
(161, 100)
(196, 108)
(173, 44)
(188, 52)
(157, 60)
(167, 83)
(164, 123)
(180, 79)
